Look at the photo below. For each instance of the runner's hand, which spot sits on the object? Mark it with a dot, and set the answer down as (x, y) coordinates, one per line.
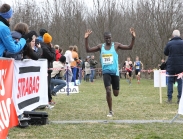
(132, 31)
(87, 33)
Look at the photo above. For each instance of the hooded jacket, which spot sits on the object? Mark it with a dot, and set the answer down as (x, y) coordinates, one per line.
(49, 54)
(6, 40)
(174, 51)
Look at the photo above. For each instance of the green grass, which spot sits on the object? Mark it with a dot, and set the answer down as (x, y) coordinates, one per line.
(138, 102)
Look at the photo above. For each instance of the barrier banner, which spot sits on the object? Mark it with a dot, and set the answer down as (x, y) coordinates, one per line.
(159, 78)
(30, 87)
(8, 116)
(71, 88)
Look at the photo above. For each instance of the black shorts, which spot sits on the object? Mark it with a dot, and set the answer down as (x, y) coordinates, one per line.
(111, 79)
(137, 71)
(129, 73)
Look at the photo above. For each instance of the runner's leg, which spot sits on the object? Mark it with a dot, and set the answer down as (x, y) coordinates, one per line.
(107, 84)
(109, 97)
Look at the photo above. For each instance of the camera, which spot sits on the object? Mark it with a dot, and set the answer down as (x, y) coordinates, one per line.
(37, 42)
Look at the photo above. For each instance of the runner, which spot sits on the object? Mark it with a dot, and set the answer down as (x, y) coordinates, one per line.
(138, 64)
(129, 68)
(109, 62)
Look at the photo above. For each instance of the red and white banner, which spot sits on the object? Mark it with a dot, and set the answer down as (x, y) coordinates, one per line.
(30, 86)
(8, 116)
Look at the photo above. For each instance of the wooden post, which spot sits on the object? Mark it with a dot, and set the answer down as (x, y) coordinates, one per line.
(160, 88)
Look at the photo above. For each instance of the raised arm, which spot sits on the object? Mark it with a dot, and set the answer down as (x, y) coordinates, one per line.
(128, 47)
(92, 49)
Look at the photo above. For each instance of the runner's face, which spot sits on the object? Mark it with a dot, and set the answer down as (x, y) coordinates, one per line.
(128, 59)
(137, 59)
(107, 39)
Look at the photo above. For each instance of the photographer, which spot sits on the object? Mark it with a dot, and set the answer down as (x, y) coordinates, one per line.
(93, 64)
(33, 48)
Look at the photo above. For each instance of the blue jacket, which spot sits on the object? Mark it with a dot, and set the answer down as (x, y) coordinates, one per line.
(7, 42)
(174, 51)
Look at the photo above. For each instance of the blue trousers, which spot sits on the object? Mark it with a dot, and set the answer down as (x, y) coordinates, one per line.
(74, 71)
(60, 84)
(92, 75)
(171, 81)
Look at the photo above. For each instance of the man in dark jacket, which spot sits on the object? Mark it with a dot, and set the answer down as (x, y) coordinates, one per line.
(49, 54)
(93, 64)
(174, 64)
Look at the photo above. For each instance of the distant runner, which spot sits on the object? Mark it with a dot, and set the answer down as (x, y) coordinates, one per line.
(129, 68)
(138, 65)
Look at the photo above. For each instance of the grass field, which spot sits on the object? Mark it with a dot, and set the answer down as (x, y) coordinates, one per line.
(135, 102)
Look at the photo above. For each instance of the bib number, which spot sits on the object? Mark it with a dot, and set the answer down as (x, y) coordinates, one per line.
(107, 59)
(137, 67)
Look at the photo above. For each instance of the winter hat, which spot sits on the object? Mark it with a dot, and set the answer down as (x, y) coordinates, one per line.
(47, 38)
(62, 59)
(16, 35)
(42, 32)
(29, 36)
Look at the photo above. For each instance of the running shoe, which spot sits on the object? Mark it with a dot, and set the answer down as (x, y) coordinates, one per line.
(51, 103)
(49, 106)
(110, 114)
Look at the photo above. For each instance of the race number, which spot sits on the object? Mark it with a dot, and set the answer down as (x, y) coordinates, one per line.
(107, 59)
(137, 67)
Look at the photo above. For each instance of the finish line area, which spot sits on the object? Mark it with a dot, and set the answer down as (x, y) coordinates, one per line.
(115, 121)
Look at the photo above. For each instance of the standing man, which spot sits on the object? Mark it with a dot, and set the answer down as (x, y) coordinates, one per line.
(128, 67)
(109, 62)
(93, 64)
(138, 64)
(174, 64)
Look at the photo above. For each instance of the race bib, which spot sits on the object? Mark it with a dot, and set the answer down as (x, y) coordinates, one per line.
(137, 67)
(107, 59)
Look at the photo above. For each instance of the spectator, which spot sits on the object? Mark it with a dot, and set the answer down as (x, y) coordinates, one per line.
(93, 64)
(87, 68)
(61, 51)
(83, 69)
(57, 52)
(69, 59)
(49, 54)
(174, 64)
(19, 30)
(79, 69)
(56, 75)
(6, 41)
(41, 33)
(32, 50)
(74, 63)
(163, 65)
